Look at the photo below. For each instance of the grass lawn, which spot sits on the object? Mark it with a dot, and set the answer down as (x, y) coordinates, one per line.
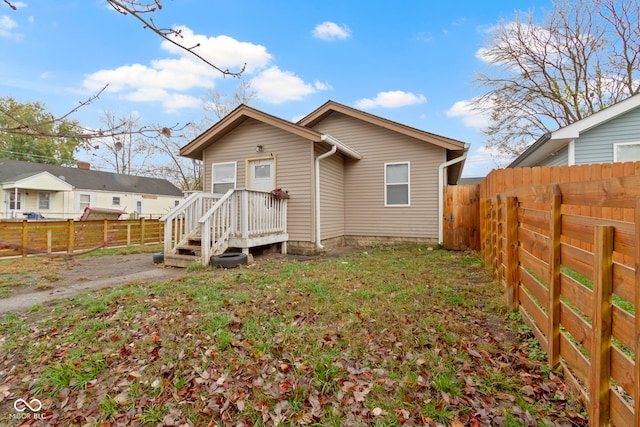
(392, 336)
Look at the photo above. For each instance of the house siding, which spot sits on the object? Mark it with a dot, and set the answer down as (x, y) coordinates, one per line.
(294, 168)
(331, 193)
(561, 158)
(596, 145)
(365, 213)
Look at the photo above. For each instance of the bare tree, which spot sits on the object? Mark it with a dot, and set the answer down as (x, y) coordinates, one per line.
(142, 11)
(221, 105)
(582, 57)
(128, 152)
(185, 173)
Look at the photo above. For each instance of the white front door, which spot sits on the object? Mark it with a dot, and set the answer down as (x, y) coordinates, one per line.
(262, 175)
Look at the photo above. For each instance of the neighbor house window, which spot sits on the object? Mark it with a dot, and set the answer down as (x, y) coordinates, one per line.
(84, 201)
(223, 177)
(139, 207)
(396, 184)
(44, 200)
(176, 203)
(15, 202)
(626, 152)
(115, 200)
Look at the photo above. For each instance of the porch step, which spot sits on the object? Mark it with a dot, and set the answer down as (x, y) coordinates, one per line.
(189, 249)
(178, 260)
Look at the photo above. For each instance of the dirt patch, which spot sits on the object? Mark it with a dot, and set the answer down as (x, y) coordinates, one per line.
(57, 278)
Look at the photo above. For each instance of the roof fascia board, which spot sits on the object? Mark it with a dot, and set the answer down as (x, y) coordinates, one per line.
(20, 183)
(238, 116)
(327, 107)
(574, 130)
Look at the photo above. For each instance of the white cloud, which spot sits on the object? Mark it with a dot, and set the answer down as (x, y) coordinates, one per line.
(391, 99)
(7, 27)
(470, 117)
(222, 51)
(331, 31)
(276, 86)
(166, 80)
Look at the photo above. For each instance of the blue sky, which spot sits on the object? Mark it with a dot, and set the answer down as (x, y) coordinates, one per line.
(411, 61)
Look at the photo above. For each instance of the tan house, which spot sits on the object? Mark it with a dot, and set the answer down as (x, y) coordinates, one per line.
(351, 177)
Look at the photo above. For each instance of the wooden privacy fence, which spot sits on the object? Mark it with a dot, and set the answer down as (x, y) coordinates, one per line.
(568, 255)
(49, 237)
(461, 217)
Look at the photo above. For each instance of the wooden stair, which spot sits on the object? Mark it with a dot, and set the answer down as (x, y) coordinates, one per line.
(186, 254)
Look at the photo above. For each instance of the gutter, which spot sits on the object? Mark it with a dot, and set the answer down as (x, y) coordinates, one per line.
(441, 189)
(334, 147)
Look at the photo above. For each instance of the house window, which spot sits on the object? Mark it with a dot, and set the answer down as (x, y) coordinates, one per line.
(44, 200)
(139, 207)
(176, 203)
(626, 152)
(115, 200)
(15, 203)
(223, 177)
(396, 184)
(84, 201)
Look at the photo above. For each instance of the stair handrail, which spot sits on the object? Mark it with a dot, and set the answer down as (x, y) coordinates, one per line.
(222, 223)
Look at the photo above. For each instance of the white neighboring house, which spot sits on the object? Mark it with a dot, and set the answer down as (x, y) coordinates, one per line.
(29, 190)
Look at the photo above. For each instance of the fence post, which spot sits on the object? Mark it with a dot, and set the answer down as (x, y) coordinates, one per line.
(70, 236)
(105, 231)
(555, 232)
(25, 237)
(142, 236)
(512, 277)
(636, 383)
(599, 403)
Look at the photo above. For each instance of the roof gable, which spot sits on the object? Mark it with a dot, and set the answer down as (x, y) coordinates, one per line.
(330, 106)
(551, 142)
(234, 119)
(38, 181)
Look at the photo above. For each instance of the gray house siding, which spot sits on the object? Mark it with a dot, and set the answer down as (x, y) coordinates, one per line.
(561, 158)
(596, 145)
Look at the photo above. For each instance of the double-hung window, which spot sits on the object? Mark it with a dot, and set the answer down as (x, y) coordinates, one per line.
(223, 177)
(44, 202)
(396, 184)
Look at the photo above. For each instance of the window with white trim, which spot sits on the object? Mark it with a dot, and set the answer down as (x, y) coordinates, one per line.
(115, 200)
(626, 152)
(396, 184)
(84, 201)
(223, 177)
(44, 201)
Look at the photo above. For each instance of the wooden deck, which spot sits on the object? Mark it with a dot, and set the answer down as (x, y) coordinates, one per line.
(207, 224)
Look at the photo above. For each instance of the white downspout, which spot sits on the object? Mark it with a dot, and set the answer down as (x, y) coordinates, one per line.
(441, 189)
(334, 147)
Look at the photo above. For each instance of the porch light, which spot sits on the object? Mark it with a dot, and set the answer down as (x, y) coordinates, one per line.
(259, 148)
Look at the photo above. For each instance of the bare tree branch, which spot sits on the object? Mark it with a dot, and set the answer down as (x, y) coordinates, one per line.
(138, 9)
(582, 57)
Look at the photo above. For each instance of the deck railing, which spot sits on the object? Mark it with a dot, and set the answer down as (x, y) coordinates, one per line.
(242, 215)
(182, 221)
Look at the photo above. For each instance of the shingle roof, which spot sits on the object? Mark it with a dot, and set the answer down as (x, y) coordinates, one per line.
(86, 179)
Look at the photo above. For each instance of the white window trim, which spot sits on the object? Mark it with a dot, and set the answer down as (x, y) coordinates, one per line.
(119, 200)
(408, 184)
(48, 201)
(615, 152)
(235, 173)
